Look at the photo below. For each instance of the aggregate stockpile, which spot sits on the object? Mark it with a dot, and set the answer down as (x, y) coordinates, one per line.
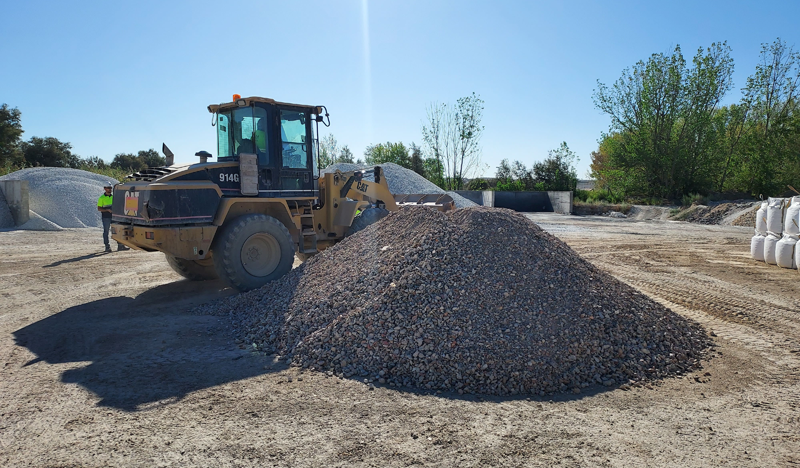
(478, 300)
(61, 197)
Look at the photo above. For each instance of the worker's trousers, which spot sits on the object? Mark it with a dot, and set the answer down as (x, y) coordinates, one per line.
(106, 227)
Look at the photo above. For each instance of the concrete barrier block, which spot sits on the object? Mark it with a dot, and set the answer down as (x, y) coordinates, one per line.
(17, 196)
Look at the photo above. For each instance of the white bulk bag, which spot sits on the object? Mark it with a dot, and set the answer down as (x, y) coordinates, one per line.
(784, 252)
(775, 216)
(761, 219)
(757, 247)
(770, 243)
(791, 222)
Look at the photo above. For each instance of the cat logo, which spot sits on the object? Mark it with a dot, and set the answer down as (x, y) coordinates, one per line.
(131, 203)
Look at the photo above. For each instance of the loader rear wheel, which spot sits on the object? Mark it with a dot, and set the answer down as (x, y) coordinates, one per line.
(193, 270)
(253, 250)
(367, 217)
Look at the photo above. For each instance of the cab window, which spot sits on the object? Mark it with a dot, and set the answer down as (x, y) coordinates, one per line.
(293, 139)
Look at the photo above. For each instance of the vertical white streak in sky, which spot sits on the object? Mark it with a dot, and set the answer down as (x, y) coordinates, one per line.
(367, 71)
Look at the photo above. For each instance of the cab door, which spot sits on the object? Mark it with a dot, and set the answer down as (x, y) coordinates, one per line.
(296, 177)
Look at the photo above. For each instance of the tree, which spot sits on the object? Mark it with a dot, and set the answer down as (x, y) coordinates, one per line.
(452, 137)
(49, 152)
(93, 162)
(10, 135)
(388, 153)
(330, 147)
(417, 163)
(346, 156)
(478, 184)
(557, 171)
(139, 161)
(663, 112)
(771, 99)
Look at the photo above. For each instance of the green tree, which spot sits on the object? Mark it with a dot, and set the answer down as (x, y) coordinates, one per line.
(388, 153)
(772, 134)
(417, 163)
(10, 136)
(452, 136)
(93, 162)
(478, 184)
(557, 171)
(663, 113)
(49, 152)
(346, 156)
(139, 161)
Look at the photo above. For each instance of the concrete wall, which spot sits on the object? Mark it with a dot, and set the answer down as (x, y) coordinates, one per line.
(553, 202)
(481, 197)
(17, 196)
(561, 202)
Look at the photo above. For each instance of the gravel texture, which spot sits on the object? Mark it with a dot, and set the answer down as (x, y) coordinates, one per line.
(478, 300)
(65, 197)
(6, 219)
(404, 181)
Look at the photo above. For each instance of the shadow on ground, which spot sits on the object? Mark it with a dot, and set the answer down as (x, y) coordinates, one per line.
(144, 349)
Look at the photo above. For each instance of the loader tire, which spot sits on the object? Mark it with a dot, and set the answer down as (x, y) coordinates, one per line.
(367, 217)
(252, 250)
(193, 270)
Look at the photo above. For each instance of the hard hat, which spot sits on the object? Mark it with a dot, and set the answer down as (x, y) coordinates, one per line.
(108, 185)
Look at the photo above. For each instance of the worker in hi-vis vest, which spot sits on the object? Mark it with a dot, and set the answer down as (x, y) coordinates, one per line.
(104, 207)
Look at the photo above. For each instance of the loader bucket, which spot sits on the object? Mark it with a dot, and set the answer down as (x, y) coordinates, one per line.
(438, 201)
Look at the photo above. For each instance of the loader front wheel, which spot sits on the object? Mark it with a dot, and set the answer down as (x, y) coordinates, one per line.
(193, 270)
(253, 250)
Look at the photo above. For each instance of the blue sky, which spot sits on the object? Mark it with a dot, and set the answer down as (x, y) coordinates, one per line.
(114, 77)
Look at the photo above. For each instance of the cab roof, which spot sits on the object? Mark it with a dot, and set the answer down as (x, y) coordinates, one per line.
(214, 108)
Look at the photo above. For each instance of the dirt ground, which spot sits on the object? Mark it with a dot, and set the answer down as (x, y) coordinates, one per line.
(104, 364)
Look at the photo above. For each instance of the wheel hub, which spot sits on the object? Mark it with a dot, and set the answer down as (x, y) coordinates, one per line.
(261, 254)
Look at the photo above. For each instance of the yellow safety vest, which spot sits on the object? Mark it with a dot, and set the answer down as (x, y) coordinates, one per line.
(105, 201)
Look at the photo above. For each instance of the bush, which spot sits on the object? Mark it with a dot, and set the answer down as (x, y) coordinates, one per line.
(693, 199)
(478, 184)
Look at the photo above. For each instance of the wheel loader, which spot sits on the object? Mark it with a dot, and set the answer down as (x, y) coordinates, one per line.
(244, 217)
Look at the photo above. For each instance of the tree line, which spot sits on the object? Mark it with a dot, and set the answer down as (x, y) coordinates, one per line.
(51, 152)
(670, 136)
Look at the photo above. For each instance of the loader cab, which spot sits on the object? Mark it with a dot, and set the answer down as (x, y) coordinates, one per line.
(280, 135)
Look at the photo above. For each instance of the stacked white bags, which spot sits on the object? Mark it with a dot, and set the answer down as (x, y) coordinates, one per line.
(786, 249)
(775, 208)
(757, 242)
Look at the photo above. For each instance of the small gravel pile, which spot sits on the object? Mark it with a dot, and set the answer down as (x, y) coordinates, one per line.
(748, 218)
(6, 219)
(404, 181)
(478, 300)
(724, 213)
(62, 197)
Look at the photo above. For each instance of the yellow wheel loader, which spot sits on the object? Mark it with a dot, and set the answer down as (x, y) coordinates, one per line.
(244, 217)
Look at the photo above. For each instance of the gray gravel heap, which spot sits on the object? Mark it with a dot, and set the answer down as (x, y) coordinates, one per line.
(67, 198)
(478, 300)
(403, 181)
(6, 219)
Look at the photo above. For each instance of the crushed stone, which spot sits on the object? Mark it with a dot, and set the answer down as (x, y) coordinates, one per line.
(64, 197)
(478, 300)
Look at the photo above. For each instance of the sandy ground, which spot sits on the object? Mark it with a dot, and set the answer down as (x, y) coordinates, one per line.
(103, 364)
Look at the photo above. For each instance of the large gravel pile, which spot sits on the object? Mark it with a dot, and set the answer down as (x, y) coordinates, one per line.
(61, 197)
(6, 219)
(478, 300)
(403, 181)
